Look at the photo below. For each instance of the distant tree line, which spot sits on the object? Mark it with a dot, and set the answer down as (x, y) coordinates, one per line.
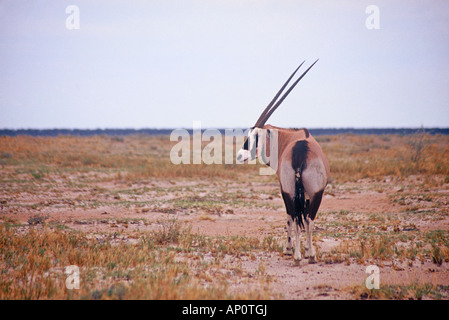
(126, 132)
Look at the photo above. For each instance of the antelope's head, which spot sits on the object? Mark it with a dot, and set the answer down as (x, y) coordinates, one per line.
(250, 149)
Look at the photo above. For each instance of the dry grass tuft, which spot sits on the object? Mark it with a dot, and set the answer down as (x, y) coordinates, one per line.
(162, 264)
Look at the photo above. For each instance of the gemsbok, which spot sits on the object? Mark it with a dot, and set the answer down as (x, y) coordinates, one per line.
(302, 170)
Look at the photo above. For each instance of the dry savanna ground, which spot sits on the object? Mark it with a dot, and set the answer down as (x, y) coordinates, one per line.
(140, 227)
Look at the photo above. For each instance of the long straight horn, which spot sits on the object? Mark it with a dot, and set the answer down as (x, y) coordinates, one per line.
(262, 116)
(270, 112)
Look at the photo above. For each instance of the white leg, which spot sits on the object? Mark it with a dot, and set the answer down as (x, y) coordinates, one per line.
(297, 256)
(307, 244)
(288, 248)
(310, 250)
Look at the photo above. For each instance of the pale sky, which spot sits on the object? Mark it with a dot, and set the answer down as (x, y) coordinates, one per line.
(165, 64)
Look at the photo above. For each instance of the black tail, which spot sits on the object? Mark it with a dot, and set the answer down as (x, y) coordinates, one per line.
(299, 156)
(301, 204)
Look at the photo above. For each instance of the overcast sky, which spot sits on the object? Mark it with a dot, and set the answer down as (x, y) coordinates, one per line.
(165, 64)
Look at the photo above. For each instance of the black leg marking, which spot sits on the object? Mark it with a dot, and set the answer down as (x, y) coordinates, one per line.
(315, 204)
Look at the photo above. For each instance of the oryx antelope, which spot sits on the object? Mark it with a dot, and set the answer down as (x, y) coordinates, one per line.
(302, 170)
